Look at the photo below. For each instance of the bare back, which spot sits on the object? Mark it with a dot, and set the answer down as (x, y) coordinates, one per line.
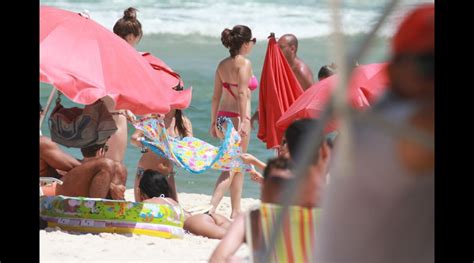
(303, 73)
(228, 71)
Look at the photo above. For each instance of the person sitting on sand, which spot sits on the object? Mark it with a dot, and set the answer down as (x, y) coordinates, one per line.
(154, 188)
(276, 175)
(95, 176)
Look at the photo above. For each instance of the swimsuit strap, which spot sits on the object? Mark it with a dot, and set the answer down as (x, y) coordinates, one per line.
(162, 196)
(227, 87)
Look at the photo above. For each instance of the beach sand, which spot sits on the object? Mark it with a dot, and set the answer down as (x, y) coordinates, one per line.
(61, 246)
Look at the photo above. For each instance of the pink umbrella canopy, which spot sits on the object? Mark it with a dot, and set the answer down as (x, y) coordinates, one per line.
(86, 62)
(366, 84)
(172, 80)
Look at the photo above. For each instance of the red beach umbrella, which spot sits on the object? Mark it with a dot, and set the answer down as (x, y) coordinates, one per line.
(279, 89)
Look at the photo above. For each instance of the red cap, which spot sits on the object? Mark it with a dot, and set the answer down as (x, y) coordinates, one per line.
(416, 33)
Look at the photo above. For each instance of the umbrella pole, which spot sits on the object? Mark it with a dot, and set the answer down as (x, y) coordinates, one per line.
(51, 95)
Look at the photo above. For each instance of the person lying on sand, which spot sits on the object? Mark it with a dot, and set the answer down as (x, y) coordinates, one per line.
(154, 188)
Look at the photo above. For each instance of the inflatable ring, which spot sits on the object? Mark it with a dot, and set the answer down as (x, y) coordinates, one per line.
(94, 215)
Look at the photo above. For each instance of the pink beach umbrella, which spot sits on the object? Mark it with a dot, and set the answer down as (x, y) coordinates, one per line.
(86, 62)
(366, 84)
(171, 79)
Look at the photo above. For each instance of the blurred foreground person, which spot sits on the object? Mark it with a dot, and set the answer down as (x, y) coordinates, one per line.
(383, 211)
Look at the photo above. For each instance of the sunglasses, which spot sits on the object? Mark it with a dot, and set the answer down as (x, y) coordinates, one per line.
(254, 40)
(106, 148)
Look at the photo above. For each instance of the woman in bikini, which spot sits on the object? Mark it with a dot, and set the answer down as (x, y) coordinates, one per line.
(177, 125)
(233, 84)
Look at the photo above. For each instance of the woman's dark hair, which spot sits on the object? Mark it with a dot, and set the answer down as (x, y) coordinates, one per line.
(179, 120)
(326, 71)
(235, 38)
(128, 24)
(154, 184)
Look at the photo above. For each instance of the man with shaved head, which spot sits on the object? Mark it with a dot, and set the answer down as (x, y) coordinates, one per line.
(289, 46)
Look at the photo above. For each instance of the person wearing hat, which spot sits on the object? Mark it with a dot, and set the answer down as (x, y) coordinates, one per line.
(94, 176)
(383, 211)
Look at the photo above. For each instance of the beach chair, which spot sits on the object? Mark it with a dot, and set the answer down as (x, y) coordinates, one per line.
(294, 243)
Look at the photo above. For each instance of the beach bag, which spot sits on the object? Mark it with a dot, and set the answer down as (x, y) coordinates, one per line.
(80, 128)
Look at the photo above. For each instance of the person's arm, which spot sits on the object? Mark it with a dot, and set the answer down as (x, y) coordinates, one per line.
(231, 242)
(307, 76)
(245, 72)
(216, 99)
(134, 139)
(55, 157)
(248, 158)
(256, 177)
(130, 116)
(254, 119)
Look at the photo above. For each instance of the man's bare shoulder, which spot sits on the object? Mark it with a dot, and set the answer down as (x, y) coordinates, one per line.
(242, 62)
(303, 67)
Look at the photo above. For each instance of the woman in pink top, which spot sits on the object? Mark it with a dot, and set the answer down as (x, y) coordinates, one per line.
(233, 84)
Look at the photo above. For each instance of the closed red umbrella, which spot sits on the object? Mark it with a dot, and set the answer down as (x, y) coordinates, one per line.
(279, 89)
(86, 62)
(367, 82)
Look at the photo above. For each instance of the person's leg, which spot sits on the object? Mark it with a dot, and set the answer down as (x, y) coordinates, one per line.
(236, 193)
(204, 225)
(119, 180)
(120, 176)
(90, 179)
(222, 185)
(238, 183)
(221, 220)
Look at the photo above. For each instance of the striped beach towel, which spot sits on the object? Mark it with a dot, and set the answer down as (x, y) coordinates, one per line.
(294, 244)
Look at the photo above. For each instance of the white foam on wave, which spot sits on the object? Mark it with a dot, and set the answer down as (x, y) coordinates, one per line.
(210, 17)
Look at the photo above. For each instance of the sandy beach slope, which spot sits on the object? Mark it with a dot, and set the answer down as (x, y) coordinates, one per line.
(61, 246)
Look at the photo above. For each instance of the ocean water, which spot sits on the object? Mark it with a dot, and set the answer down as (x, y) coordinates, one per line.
(186, 35)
